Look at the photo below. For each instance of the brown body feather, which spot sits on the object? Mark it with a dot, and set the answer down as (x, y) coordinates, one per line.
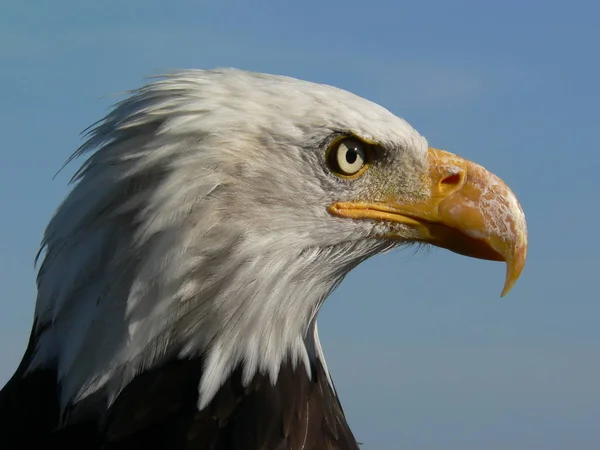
(157, 410)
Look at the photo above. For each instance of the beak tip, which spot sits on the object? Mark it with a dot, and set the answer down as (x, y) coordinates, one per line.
(509, 282)
(514, 267)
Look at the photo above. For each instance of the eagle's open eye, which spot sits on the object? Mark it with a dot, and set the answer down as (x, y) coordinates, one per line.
(348, 157)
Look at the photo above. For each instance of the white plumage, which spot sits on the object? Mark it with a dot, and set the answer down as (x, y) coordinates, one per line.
(198, 224)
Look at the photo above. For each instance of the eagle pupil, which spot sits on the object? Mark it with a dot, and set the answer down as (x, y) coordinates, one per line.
(351, 156)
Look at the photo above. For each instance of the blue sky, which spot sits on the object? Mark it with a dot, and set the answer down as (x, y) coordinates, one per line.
(424, 353)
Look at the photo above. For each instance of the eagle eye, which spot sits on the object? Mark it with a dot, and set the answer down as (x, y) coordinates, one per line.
(348, 157)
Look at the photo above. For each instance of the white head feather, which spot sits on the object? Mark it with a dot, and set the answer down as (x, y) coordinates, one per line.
(198, 226)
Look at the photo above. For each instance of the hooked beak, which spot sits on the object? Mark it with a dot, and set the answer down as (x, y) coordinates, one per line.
(469, 211)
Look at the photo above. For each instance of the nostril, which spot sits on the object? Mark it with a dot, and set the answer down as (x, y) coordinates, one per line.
(452, 179)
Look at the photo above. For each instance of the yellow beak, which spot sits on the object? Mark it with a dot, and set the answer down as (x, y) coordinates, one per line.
(469, 211)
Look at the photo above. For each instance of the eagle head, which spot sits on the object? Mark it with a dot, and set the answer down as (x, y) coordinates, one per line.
(218, 209)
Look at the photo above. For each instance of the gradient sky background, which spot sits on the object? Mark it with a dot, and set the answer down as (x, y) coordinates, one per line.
(424, 353)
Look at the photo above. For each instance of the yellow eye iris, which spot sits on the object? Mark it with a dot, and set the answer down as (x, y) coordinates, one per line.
(348, 157)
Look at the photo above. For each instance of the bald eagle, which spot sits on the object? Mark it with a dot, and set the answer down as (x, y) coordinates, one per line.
(182, 276)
